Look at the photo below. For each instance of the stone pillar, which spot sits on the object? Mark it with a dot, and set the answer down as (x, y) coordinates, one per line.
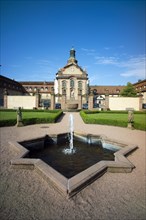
(63, 100)
(52, 99)
(106, 102)
(79, 99)
(5, 98)
(90, 101)
(140, 102)
(37, 102)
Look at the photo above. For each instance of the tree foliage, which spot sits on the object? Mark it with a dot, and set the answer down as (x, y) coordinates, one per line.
(129, 91)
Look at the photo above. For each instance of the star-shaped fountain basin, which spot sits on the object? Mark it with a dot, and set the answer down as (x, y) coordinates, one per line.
(71, 169)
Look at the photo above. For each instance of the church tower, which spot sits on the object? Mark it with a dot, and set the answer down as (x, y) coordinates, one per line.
(72, 58)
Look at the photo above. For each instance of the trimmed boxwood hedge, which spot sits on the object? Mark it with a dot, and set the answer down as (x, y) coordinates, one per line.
(111, 121)
(52, 117)
(10, 122)
(113, 111)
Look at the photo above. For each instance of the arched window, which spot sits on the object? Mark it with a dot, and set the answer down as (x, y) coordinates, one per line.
(80, 85)
(72, 83)
(64, 84)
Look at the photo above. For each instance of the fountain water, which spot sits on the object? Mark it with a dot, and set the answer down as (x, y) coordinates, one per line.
(71, 131)
(71, 148)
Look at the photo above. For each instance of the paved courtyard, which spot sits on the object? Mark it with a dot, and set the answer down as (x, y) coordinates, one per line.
(117, 196)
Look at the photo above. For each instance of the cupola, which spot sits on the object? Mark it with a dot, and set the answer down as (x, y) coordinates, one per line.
(72, 58)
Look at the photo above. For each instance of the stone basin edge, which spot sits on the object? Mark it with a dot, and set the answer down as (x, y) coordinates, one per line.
(69, 187)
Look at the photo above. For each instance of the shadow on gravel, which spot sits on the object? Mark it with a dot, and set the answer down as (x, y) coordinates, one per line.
(60, 119)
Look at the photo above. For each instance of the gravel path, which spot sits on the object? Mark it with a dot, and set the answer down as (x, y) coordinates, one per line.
(116, 196)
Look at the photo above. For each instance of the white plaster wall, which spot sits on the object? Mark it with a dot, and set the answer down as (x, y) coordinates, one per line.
(144, 97)
(121, 103)
(25, 102)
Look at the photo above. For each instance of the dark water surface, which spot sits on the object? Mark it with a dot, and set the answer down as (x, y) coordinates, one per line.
(70, 164)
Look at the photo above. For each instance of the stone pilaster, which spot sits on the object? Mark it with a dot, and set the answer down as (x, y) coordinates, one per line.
(37, 99)
(52, 99)
(140, 102)
(63, 99)
(5, 98)
(79, 99)
(90, 101)
(80, 102)
(63, 102)
(106, 102)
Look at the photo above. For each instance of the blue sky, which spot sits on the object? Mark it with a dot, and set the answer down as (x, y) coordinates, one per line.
(108, 36)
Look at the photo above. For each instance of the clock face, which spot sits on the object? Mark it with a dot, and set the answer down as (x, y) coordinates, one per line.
(72, 69)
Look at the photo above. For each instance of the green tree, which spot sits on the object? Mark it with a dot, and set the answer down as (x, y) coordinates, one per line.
(129, 91)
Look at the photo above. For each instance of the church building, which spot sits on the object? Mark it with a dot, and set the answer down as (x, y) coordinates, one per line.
(71, 82)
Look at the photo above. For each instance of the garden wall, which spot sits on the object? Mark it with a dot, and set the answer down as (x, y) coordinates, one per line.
(123, 103)
(25, 102)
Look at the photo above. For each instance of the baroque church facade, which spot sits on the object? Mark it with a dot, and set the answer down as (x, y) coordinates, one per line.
(71, 81)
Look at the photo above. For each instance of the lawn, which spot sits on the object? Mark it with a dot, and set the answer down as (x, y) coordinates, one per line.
(9, 117)
(13, 115)
(114, 118)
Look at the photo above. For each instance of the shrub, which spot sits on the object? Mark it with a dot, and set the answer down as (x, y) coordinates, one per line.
(29, 117)
(115, 118)
(10, 122)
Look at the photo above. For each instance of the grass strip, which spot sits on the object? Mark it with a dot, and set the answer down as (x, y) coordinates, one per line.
(9, 118)
(114, 118)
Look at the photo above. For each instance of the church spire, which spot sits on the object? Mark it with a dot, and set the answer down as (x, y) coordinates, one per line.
(72, 58)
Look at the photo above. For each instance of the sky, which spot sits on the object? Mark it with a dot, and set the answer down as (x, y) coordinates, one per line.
(108, 36)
